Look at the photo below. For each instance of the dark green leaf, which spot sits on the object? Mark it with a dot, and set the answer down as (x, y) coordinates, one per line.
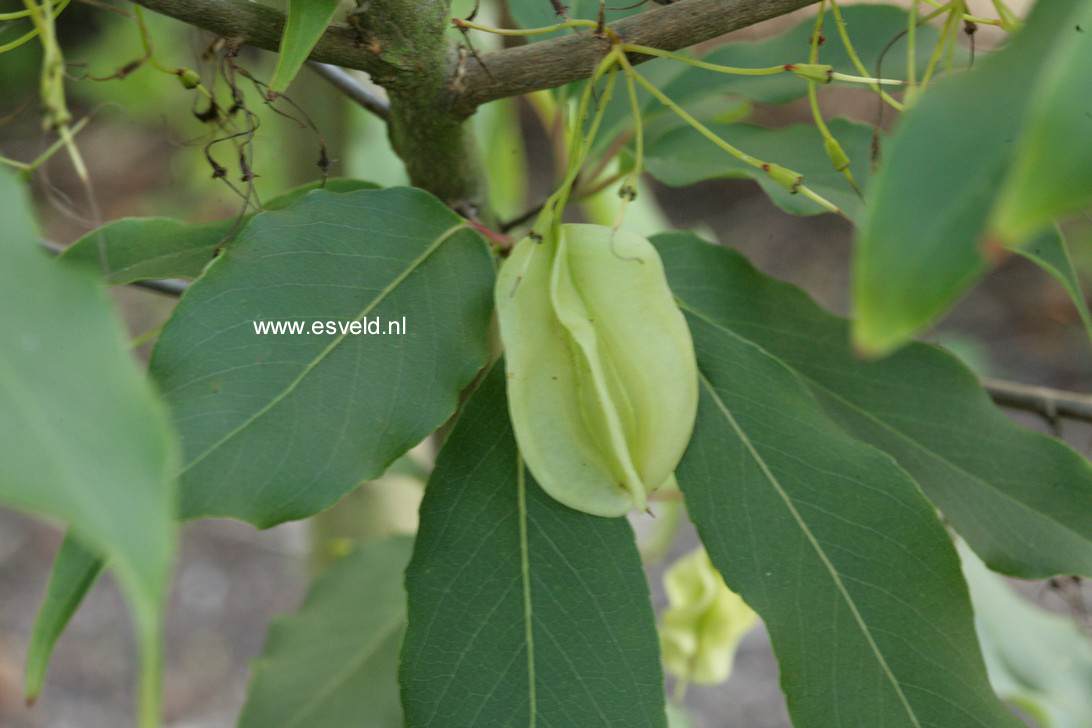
(83, 438)
(278, 427)
(75, 571)
(305, 23)
(833, 546)
(1039, 661)
(522, 611)
(143, 248)
(919, 246)
(333, 663)
(683, 156)
(1049, 252)
(1022, 500)
(870, 27)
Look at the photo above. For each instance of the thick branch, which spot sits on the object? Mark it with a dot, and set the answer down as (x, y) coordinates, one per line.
(555, 62)
(512, 71)
(260, 26)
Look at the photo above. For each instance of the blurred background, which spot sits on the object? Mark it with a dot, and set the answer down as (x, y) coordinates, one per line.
(145, 150)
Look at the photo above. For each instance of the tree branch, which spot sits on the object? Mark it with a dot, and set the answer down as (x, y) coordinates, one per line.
(552, 63)
(512, 71)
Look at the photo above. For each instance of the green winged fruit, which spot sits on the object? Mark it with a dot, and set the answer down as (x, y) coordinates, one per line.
(602, 379)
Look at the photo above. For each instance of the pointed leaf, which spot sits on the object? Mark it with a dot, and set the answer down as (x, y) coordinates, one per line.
(831, 543)
(333, 663)
(305, 23)
(83, 438)
(143, 248)
(1022, 500)
(278, 427)
(919, 244)
(75, 571)
(522, 611)
(683, 156)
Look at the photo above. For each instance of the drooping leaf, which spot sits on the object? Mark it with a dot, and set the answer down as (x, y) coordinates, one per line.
(305, 23)
(1050, 175)
(1049, 252)
(683, 156)
(871, 28)
(278, 427)
(143, 248)
(1039, 661)
(1022, 500)
(521, 610)
(75, 571)
(830, 542)
(333, 663)
(920, 243)
(83, 437)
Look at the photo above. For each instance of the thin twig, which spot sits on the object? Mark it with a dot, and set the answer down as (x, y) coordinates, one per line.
(357, 92)
(1048, 403)
(167, 286)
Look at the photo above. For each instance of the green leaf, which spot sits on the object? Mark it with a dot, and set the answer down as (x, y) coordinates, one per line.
(831, 543)
(276, 428)
(1049, 252)
(1050, 175)
(1022, 500)
(521, 611)
(333, 663)
(870, 28)
(1044, 666)
(919, 244)
(143, 248)
(75, 571)
(682, 156)
(305, 23)
(83, 437)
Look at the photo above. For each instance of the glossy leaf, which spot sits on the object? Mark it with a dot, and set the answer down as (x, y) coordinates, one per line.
(1022, 500)
(920, 244)
(521, 610)
(683, 156)
(305, 22)
(333, 663)
(276, 428)
(1050, 176)
(83, 438)
(870, 27)
(142, 248)
(834, 547)
(1039, 661)
(1049, 252)
(75, 571)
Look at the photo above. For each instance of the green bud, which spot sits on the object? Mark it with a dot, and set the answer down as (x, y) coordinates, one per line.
(813, 71)
(838, 156)
(602, 378)
(189, 78)
(703, 623)
(785, 177)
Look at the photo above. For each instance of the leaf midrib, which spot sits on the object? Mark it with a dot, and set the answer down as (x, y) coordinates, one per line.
(816, 546)
(380, 297)
(895, 431)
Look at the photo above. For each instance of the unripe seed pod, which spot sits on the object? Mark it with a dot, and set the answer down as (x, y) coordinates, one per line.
(602, 379)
